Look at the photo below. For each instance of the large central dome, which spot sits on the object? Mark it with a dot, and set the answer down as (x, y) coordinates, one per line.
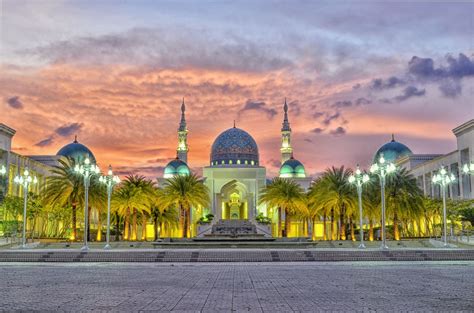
(234, 147)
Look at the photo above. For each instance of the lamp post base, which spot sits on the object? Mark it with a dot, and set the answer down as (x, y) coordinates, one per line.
(85, 248)
(107, 247)
(361, 246)
(384, 247)
(24, 246)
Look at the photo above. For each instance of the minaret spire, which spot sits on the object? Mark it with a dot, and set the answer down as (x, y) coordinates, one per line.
(182, 151)
(286, 149)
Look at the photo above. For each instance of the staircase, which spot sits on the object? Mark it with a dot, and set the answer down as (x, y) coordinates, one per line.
(233, 230)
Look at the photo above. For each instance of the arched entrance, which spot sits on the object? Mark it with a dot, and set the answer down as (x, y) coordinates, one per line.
(234, 201)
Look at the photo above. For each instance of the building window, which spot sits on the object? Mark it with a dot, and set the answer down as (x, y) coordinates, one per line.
(454, 168)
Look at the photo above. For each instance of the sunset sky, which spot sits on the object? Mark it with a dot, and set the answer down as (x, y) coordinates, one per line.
(114, 73)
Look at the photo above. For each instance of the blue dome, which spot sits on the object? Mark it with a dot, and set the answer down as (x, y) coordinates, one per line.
(292, 168)
(392, 151)
(176, 167)
(77, 151)
(234, 147)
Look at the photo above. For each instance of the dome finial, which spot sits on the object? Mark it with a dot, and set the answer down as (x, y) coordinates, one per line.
(393, 137)
(75, 139)
(234, 123)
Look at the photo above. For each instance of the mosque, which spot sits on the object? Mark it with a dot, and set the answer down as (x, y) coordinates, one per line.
(235, 176)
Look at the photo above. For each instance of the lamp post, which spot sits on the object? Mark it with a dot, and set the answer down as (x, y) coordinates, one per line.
(3, 170)
(383, 168)
(468, 168)
(359, 179)
(444, 179)
(25, 181)
(110, 180)
(87, 170)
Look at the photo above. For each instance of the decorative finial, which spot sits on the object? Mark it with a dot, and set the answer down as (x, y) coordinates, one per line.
(234, 123)
(393, 137)
(285, 106)
(75, 139)
(183, 106)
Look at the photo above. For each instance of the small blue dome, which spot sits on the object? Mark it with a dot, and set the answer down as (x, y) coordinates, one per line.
(234, 147)
(176, 167)
(392, 151)
(292, 168)
(77, 151)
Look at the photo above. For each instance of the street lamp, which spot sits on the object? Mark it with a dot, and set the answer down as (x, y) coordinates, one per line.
(110, 180)
(87, 170)
(468, 168)
(382, 169)
(25, 180)
(3, 170)
(359, 179)
(444, 179)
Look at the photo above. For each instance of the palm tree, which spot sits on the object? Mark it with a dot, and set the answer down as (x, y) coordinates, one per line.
(133, 194)
(162, 214)
(284, 194)
(333, 191)
(404, 198)
(65, 188)
(185, 192)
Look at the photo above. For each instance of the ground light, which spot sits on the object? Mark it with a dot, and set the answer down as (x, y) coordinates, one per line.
(359, 179)
(382, 169)
(87, 170)
(3, 170)
(25, 181)
(110, 181)
(444, 179)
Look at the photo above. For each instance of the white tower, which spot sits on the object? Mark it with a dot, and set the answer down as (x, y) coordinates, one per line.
(286, 149)
(182, 150)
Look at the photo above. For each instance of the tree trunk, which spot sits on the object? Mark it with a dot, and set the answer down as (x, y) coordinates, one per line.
(99, 226)
(353, 238)
(333, 235)
(155, 228)
(117, 226)
(279, 223)
(396, 233)
(287, 224)
(74, 222)
(342, 223)
(325, 237)
(126, 225)
(371, 230)
(134, 224)
(144, 220)
(182, 222)
(188, 222)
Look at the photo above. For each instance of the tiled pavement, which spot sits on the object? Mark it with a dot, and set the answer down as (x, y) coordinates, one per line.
(239, 287)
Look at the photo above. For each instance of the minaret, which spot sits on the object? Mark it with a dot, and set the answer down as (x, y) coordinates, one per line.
(182, 150)
(286, 149)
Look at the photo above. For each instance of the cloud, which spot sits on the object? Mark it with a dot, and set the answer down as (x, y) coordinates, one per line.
(68, 130)
(331, 117)
(317, 130)
(318, 114)
(258, 106)
(338, 131)
(308, 140)
(295, 108)
(45, 142)
(409, 92)
(391, 82)
(342, 104)
(362, 101)
(160, 48)
(450, 88)
(15, 103)
(356, 86)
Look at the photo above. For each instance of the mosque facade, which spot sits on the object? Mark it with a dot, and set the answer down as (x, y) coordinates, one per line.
(235, 176)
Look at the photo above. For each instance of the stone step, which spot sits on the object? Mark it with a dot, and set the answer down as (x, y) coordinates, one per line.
(242, 255)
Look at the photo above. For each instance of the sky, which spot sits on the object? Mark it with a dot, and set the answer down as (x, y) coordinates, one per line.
(114, 73)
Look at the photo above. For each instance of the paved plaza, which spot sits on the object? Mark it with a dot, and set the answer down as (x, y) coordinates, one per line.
(239, 287)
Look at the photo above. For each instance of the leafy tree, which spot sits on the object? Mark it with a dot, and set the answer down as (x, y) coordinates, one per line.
(185, 192)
